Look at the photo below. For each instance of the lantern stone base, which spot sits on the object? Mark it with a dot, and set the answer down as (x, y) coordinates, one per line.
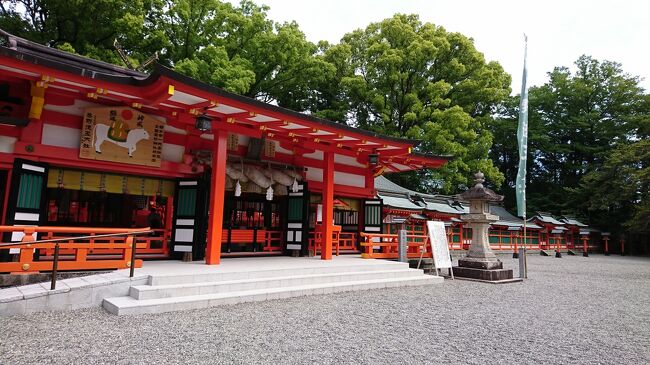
(487, 270)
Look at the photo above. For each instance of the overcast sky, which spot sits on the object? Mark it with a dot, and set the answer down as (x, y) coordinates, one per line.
(558, 31)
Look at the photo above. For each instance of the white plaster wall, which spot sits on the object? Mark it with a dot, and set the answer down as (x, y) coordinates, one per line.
(7, 144)
(56, 135)
(76, 109)
(279, 149)
(343, 178)
(172, 152)
(340, 178)
(347, 160)
(317, 155)
(314, 174)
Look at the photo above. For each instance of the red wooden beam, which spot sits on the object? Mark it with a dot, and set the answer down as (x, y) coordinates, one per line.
(280, 116)
(69, 157)
(328, 206)
(9, 130)
(217, 191)
(62, 119)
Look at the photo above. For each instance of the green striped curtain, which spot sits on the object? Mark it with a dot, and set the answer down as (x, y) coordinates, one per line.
(186, 202)
(373, 214)
(29, 191)
(295, 209)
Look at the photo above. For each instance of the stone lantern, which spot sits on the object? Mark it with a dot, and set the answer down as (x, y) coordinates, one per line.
(481, 263)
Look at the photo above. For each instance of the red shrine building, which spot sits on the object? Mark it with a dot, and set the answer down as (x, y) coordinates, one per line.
(86, 144)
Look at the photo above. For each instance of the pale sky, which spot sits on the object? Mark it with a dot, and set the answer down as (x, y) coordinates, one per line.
(558, 31)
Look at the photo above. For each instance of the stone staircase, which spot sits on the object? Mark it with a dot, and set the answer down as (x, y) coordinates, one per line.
(175, 292)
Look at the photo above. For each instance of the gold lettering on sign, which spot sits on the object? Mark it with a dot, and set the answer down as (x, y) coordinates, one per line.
(269, 148)
(233, 142)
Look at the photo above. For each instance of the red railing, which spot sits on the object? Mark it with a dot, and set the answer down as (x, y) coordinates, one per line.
(33, 257)
(384, 246)
(316, 238)
(348, 241)
(154, 245)
(273, 241)
(269, 241)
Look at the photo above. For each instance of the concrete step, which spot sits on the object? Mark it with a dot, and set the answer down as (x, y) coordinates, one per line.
(170, 279)
(129, 305)
(142, 292)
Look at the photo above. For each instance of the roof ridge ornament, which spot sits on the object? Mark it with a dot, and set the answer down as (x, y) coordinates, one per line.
(127, 62)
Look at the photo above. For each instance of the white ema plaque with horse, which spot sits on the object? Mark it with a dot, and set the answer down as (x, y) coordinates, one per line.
(121, 134)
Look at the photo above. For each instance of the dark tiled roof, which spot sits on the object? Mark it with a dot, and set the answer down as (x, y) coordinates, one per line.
(397, 196)
(572, 221)
(400, 202)
(507, 219)
(547, 218)
(435, 203)
(65, 60)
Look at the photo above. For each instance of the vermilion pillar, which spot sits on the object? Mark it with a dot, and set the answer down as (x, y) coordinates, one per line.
(328, 205)
(585, 240)
(217, 190)
(622, 246)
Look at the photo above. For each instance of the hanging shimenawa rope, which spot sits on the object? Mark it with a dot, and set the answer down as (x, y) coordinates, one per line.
(269, 191)
(237, 184)
(294, 186)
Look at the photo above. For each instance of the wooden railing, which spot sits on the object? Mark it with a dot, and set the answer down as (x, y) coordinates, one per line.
(316, 238)
(463, 243)
(153, 245)
(273, 241)
(348, 241)
(384, 246)
(261, 239)
(32, 253)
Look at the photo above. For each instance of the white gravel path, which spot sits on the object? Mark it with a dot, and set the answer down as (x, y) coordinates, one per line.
(572, 310)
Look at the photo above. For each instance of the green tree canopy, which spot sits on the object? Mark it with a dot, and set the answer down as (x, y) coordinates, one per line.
(241, 50)
(416, 80)
(88, 27)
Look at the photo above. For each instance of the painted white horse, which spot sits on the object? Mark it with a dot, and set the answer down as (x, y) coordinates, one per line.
(132, 138)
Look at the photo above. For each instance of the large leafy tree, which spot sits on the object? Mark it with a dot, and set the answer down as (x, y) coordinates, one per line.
(416, 80)
(88, 27)
(240, 49)
(617, 194)
(588, 150)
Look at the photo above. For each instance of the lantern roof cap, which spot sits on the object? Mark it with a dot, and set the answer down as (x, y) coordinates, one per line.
(479, 192)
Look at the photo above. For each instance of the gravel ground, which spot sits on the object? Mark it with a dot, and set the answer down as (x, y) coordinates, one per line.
(572, 310)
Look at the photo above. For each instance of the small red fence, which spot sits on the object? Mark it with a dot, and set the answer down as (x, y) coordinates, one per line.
(345, 242)
(76, 253)
(386, 246)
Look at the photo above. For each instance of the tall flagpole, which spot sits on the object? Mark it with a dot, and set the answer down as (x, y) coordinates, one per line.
(522, 139)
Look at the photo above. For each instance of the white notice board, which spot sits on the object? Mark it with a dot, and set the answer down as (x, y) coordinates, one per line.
(439, 245)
